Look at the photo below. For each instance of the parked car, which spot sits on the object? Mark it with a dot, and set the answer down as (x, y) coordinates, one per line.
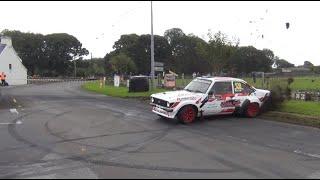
(205, 96)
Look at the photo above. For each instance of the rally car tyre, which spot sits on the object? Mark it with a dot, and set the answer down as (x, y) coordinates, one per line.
(241, 111)
(187, 114)
(252, 110)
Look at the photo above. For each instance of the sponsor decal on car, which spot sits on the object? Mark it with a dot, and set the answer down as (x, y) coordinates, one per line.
(232, 103)
(227, 110)
(186, 98)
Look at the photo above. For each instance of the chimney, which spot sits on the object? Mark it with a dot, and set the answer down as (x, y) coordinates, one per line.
(6, 40)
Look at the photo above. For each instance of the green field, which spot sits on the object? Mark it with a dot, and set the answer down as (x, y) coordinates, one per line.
(123, 92)
(299, 83)
(301, 107)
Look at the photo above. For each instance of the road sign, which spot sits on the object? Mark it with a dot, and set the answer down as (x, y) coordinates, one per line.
(158, 68)
(158, 64)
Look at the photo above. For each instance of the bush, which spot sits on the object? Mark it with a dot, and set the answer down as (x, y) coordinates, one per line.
(279, 93)
(290, 81)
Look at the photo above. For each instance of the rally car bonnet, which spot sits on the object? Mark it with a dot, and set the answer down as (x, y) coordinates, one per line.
(174, 96)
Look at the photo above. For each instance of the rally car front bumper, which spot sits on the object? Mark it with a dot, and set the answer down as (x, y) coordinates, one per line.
(163, 111)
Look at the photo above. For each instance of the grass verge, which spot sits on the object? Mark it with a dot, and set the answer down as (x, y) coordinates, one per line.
(296, 112)
(293, 118)
(122, 92)
(301, 107)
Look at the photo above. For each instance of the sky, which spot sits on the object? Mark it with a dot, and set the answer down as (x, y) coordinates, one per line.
(98, 24)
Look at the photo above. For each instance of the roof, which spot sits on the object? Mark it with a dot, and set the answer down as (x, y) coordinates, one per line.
(221, 78)
(2, 46)
(301, 68)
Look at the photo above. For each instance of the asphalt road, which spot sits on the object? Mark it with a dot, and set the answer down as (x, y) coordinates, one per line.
(59, 131)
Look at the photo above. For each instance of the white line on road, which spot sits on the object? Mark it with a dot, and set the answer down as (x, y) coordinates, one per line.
(14, 111)
(307, 154)
(18, 122)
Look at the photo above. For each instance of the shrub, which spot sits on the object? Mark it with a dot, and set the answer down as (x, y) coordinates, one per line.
(279, 92)
(290, 81)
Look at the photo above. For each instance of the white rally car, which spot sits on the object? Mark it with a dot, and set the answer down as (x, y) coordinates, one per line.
(209, 96)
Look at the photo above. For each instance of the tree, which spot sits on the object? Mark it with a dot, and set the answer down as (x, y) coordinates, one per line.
(60, 49)
(93, 67)
(307, 64)
(188, 53)
(281, 63)
(122, 64)
(269, 53)
(183, 53)
(173, 35)
(220, 49)
(126, 44)
(138, 49)
(192, 56)
(48, 55)
(248, 59)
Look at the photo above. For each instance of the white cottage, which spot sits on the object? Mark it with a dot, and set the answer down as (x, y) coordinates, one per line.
(11, 64)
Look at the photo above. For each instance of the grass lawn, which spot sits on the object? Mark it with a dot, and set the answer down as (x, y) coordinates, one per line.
(301, 107)
(123, 92)
(306, 83)
(299, 83)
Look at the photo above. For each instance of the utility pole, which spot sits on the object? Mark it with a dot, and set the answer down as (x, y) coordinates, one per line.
(152, 51)
(75, 68)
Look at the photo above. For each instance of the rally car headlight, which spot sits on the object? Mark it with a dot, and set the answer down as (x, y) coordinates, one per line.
(168, 104)
(152, 100)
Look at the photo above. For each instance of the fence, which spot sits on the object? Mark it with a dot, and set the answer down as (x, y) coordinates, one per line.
(46, 80)
(306, 96)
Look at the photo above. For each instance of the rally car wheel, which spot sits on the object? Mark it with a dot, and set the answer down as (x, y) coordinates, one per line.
(187, 114)
(252, 110)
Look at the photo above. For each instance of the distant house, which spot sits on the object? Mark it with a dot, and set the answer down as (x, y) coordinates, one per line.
(296, 69)
(11, 64)
(300, 70)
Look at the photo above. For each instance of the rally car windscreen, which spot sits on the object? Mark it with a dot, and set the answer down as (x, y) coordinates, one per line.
(198, 86)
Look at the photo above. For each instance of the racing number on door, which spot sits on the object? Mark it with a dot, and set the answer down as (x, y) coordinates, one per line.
(241, 91)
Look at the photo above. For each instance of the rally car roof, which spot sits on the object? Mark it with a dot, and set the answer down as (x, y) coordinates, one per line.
(221, 78)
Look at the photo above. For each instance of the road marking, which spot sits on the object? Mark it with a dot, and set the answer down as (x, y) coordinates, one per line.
(307, 154)
(14, 111)
(18, 122)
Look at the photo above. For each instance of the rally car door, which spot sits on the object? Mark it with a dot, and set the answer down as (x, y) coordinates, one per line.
(241, 91)
(218, 97)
